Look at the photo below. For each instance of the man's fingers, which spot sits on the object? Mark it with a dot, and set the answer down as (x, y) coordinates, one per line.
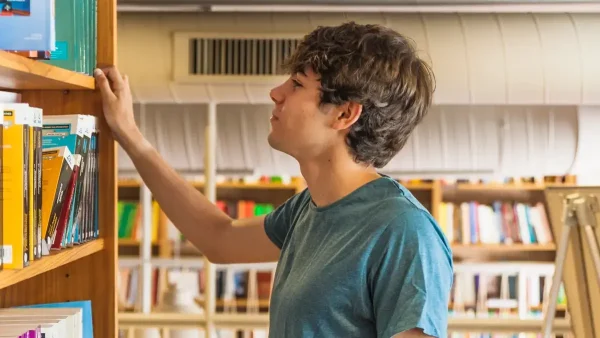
(103, 84)
(112, 73)
(126, 81)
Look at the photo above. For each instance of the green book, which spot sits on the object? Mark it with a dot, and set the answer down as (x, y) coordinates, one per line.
(65, 55)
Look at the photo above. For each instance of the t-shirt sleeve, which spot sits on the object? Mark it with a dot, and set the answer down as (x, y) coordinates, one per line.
(280, 221)
(411, 277)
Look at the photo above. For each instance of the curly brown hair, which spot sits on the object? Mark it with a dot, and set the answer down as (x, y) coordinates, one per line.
(376, 67)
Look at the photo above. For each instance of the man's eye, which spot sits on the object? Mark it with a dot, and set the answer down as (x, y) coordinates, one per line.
(296, 84)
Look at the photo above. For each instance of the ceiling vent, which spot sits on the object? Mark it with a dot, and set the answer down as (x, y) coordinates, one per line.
(211, 57)
(214, 56)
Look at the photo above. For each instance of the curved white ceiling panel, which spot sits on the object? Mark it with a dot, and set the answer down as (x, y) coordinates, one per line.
(587, 159)
(459, 141)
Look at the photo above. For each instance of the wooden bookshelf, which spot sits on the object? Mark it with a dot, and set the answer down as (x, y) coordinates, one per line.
(49, 263)
(88, 271)
(20, 73)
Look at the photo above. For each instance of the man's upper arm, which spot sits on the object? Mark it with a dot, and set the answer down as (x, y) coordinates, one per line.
(411, 278)
(259, 239)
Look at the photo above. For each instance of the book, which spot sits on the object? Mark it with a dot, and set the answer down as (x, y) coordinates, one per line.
(38, 117)
(27, 25)
(57, 169)
(67, 130)
(54, 320)
(34, 184)
(15, 187)
(1, 191)
(84, 318)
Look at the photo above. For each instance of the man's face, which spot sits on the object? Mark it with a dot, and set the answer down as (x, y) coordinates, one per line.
(300, 126)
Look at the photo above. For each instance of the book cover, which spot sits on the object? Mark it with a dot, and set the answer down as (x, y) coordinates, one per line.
(67, 130)
(1, 191)
(37, 187)
(66, 54)
(57, 169)
(94, 187)
(31, 183)
(78, 230)
(15, 190)
(27, 25)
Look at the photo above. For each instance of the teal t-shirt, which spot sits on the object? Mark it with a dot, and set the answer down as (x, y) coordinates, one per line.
(372, 264)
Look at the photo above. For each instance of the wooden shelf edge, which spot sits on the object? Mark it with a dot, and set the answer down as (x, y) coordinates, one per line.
(225, 185)
(21, 73)
(132, 242)
(51, 262)
(492, 187)
(505, 247)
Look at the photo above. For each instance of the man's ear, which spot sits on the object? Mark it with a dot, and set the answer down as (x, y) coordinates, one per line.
(346, 115)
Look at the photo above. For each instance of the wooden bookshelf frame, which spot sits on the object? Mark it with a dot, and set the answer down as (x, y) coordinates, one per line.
(432, 194)
(86, 272)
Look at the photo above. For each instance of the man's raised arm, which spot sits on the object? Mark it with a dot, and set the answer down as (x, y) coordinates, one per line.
(219, 237)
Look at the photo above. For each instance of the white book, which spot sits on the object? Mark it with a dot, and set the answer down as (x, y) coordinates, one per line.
(51, 326)
(74, 316)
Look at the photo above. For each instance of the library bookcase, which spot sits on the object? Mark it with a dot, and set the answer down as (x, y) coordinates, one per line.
(88, 271)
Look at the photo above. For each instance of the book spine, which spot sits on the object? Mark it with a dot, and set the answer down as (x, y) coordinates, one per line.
(64, 214)
(74, 202)
(26, 187)
(96, 183)
(1, 194)
(38, 186)
(63, 184)
(32, 181)
(80, 191)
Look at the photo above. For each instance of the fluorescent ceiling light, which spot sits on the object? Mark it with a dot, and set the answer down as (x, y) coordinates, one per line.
(162, 8)
(479, 8)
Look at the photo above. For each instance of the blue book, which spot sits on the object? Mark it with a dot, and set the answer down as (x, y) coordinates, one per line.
(27, 25)
(86, 309)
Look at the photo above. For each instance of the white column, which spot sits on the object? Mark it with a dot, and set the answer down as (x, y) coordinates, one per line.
(146, 249)
(210, 191)
(145, 268)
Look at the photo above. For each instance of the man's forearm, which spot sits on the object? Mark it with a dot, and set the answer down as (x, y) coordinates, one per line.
(191, 212)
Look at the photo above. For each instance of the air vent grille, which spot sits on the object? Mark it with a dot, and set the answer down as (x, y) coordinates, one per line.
(238, 56)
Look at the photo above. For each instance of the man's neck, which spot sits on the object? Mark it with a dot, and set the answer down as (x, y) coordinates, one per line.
(332, 178)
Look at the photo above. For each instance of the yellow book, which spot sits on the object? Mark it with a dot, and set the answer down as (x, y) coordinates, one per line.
(15, 189)
(57, 167)
(1, 191)
(35, 184)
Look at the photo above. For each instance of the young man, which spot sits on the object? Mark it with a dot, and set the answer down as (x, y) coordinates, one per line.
(358, 255)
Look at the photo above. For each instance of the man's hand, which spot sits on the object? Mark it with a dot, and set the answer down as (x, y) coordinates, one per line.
(116, 102)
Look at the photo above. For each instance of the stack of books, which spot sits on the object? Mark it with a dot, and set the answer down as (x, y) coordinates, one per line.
(49, 183)
(62, 33)
(55, 320)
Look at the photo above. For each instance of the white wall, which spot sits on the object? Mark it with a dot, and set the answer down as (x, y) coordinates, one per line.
(145, 53)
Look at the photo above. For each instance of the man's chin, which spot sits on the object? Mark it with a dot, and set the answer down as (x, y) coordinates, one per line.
(275, 143)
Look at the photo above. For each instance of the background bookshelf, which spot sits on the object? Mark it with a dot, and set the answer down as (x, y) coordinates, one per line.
(87, 271)
(515, 276)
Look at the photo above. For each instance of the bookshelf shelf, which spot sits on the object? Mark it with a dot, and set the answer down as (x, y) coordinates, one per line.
(504, 247)
(225, 185)
(87, 272)
(131, 242)
(249, 321)
(20, 73)
(51, 262)
(499, 187)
